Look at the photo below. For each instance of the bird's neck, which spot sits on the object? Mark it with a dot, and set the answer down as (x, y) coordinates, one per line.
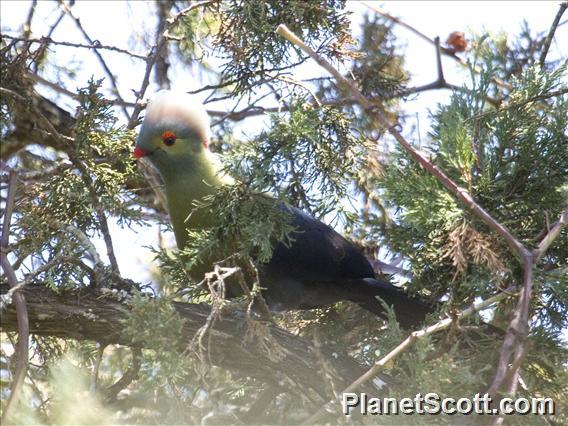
(193, 179)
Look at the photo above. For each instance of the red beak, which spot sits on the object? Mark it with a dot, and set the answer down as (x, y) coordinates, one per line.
(139, 153)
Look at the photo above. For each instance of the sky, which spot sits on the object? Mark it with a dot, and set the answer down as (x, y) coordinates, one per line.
(122, 25)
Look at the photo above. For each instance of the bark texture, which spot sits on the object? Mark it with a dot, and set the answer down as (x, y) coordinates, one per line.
(88, 315)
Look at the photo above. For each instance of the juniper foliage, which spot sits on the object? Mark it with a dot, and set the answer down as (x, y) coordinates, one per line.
(317, 152)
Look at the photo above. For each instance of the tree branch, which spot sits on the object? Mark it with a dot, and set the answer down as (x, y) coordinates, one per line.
(96, 52)
(514, 345)
(28, 25)
(551, 32)
(551, 236)
(423, 36)
(409, 341)
(458, 192)
(21, 313)
(94, 45)
(65, 141)
(153, 57)
(129, 376)
(89, 315)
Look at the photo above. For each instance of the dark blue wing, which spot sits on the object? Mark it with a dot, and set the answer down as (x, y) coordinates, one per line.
(319, 253)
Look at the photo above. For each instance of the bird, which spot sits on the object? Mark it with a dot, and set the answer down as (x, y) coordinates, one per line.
(317, 268)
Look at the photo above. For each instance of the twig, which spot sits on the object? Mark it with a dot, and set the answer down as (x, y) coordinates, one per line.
(9, 207)
(409, 341)
(420, 158)
(517, 331)
(398, 21)
(59, 89)
(7, 297)
(439, 66)
(84, 174)
(129, 376)
(301, 84)
(28, 24)
(54, 26)
(97, 366)
(251, 107)
(85, 242)
(551, 236)
(541, 97)
(22, 351)
(94, 45)
(445, 51)
(40, 174)
(256, 294)
(96, 52)
(439, 83)
(103, 224)
(36, 64)
(551, 32)
(153, 56)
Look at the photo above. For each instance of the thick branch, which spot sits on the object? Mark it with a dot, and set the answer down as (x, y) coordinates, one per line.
(514, 346)
(514, 342)
(87, 315)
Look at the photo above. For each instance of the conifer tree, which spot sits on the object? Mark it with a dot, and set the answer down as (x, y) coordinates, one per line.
(470, 216)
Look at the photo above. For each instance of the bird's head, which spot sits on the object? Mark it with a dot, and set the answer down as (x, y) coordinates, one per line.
(175, 131)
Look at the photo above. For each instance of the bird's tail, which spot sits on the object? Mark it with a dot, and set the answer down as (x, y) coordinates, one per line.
(409, 311)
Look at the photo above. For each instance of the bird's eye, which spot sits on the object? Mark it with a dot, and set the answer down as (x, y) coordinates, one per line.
(169, 138)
